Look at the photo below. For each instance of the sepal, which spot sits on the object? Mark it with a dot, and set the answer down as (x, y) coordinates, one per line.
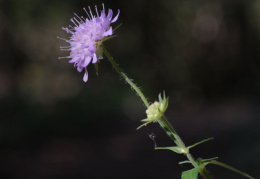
(96, 68)
(215, 162)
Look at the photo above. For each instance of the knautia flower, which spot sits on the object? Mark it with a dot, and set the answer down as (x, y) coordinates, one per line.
(86, 37)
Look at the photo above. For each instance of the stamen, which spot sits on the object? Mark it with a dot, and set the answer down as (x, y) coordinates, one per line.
(96, 10)
(67, 30)
(87, 13)
(65, 47)
(64, 57)
(73, 22)
(63, 39)
(76, 20)
(84, 20)
(81, 19)
(90, 12)
(103, 7)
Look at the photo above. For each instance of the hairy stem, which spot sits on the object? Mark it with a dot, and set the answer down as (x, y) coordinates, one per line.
(128, 80)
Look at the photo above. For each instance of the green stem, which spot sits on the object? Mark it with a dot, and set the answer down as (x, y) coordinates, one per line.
(129, 81)
(205, 174)
(163, 121)
(191, 159)
(176, 138)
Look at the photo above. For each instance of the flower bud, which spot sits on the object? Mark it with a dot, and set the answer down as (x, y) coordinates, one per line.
(155, 111)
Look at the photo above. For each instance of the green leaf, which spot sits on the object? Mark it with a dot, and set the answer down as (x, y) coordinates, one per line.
(193, 173)
(183, 162)
(230, 168)
(206, 140)
(201, 161)
(176, 149)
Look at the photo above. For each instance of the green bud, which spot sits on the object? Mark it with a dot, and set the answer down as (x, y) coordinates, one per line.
(155, 111)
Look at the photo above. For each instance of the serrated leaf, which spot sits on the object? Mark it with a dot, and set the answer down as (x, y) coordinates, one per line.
(176, 149)
(193, 173)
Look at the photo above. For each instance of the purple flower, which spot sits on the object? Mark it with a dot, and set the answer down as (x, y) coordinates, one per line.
(86, 37)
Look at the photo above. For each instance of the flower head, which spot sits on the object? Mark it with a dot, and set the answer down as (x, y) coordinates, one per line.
(86, 37)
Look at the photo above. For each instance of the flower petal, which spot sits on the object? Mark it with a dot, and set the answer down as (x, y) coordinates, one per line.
(94, 58)
(115, 18)
(110, 14)
(85, 77)
(109, 32)
(91, 48)
(74, 59)
(103, 14)
(86, 61)
(79, 68)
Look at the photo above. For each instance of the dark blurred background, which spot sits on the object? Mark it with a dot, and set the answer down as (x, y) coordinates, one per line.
(203, 53)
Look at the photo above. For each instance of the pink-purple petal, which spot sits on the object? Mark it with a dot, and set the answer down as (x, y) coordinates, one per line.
(109, 32)
(91, 48)
(115, 18)
(110, 14)
(94, 58)
(79, 68)
(74, 59)
(86, 61)
(85, 77)
(103, 14)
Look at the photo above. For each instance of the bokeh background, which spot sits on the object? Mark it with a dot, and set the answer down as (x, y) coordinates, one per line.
(203, 53)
